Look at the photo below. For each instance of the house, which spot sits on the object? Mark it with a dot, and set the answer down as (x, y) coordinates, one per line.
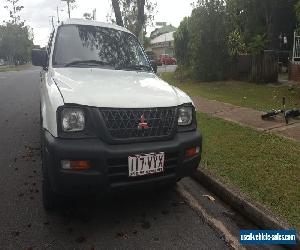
(162, 30)
(163, 44)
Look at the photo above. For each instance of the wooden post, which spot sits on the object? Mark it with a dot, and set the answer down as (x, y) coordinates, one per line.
(294, 47)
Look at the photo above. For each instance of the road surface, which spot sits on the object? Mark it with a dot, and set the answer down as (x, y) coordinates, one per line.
(181, 218)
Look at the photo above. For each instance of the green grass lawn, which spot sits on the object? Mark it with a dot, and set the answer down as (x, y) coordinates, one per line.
(263, 166)
(14, 68)
(256, 96)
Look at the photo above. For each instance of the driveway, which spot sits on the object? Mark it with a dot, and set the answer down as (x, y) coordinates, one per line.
(166, 68)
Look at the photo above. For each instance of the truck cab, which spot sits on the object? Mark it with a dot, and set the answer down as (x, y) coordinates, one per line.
(108, 122)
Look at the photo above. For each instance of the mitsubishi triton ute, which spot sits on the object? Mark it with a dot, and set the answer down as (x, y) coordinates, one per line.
(107, 121)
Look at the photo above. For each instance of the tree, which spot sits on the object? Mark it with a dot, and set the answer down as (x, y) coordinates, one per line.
(16, 39)
(134, 14)
(88, 16)
(236, 44)
(16, 42)
(208, 40)
(181, 43)
(118, 14)
(297, 12)
(70, 4)
(258, 44)
(257, 17)
(14, 10)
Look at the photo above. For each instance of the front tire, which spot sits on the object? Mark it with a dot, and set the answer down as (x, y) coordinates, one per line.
(50, 198)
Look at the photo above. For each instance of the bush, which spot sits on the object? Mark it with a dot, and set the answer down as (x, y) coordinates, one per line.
(181, 43)
(201, 41)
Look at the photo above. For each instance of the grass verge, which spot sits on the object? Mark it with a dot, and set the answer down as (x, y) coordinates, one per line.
(263, 166)
(14, 68)
(256, 96)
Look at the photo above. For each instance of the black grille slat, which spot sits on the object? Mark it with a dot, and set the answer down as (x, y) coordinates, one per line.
(123, 123)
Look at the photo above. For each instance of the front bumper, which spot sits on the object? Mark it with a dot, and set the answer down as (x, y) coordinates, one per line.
(109, 163)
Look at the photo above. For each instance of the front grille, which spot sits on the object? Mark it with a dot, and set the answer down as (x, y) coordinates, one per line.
(124, 123)
(118, 169)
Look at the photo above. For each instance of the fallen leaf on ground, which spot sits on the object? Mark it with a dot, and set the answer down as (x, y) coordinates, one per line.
(122, 235)
(209, 197)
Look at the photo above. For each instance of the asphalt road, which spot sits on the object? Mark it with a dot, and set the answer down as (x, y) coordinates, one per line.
(181, 218)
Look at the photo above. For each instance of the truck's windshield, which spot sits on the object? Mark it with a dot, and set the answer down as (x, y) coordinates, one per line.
(92, 46)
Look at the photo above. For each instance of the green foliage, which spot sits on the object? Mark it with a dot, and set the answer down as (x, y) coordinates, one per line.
(219, 30)
(14, 10)
(264, 166)
(208, 40)
(243, 94)
(16, 39)
(15, 43)
(87, 16)
(129, 13)
(258, 44)
(181, 41)
(297, 11)
(236, 44)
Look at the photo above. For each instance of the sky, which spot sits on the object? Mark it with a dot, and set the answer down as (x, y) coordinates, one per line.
(37, 13)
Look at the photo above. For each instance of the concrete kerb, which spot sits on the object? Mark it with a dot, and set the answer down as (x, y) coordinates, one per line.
(253, 211)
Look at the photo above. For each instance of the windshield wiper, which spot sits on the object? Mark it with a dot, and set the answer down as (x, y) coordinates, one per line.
(88, 63)
(134, 67)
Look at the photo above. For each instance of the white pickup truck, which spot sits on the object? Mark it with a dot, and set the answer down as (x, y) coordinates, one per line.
(107, 121)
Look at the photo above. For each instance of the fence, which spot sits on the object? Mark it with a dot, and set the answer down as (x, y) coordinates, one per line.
(296, 48)
(294, 67)
(256, 68)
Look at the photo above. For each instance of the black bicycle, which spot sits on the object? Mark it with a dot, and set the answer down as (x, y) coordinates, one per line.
(292, 113)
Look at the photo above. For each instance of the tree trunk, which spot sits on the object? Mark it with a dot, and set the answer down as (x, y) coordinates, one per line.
(69, 11)
(140, 17)
(116, 7)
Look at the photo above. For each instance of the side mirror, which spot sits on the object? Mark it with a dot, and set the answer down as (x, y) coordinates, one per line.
(39, 58)
(154, 66)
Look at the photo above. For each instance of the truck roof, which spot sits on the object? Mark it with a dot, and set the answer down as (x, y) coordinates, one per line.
(78, 21)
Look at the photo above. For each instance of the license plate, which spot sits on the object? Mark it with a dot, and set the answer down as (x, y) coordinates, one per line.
(146, 164)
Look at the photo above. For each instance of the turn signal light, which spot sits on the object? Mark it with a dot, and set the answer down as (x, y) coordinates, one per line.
(75, 165)
(192, 152)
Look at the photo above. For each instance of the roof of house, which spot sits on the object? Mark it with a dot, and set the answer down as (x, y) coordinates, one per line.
(162, 30)
(167, 37)
(79, 21)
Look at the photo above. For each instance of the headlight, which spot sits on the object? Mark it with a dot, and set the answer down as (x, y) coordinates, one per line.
(185, 116)
(73, 119)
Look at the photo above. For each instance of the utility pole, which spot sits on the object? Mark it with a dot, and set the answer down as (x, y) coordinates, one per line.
(94, 14)
(69, 12)
(52, 21)
(58, 21)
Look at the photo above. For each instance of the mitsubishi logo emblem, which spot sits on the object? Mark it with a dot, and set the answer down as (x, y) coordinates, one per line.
(143, 124)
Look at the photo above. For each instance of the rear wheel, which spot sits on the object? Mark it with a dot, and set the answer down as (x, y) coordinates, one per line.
(269, 115)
